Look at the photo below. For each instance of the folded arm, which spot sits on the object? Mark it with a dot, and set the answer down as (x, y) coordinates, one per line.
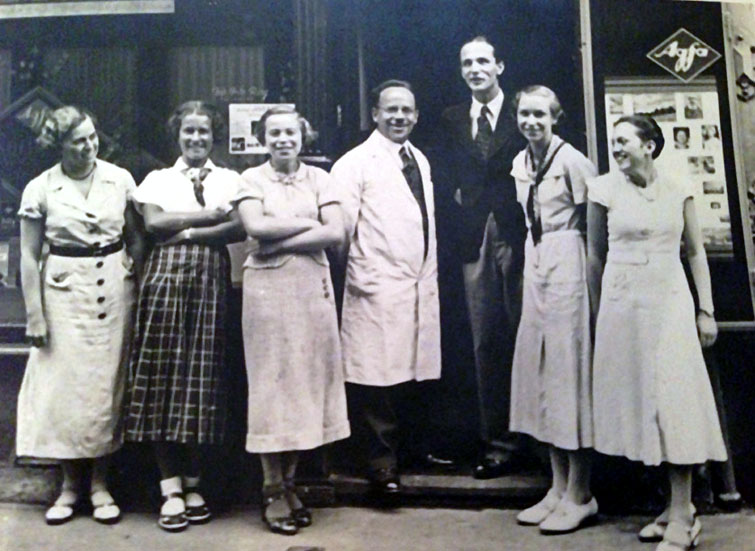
(167, 224)
(269, 228)
(329, 233)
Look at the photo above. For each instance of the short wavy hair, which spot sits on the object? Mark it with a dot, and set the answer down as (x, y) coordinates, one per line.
(197, 107)
(647, 130)
(59, 124)
(308, 134)
(557, 112)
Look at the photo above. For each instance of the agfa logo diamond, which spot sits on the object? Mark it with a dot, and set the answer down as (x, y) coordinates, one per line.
(684, 55)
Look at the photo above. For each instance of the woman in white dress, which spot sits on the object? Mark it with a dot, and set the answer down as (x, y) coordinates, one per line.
(79, 301)
(551, 376)
(651, 393)
(297, 399)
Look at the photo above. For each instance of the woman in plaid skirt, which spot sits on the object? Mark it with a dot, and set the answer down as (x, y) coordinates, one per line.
(176, 394)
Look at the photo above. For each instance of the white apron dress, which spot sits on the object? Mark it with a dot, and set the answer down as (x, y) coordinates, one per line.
(551, 371)
(69, 406)
(652, 396)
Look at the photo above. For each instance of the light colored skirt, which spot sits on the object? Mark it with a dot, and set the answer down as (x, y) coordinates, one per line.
(551, 380)
(69, 406)
(297, 399)
(652, 396)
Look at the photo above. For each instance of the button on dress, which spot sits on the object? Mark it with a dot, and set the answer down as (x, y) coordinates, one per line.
(69, 405)
(651, 392)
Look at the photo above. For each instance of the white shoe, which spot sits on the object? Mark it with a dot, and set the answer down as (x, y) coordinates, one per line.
(536, 514)
(568, 517)
(654, 531)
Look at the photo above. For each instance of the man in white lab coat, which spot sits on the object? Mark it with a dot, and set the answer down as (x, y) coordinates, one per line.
(390, 321)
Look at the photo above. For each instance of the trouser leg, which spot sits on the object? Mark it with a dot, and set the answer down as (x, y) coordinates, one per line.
(375, 424)
(491, 300)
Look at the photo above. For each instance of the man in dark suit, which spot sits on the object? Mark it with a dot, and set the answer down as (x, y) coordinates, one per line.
(480, 142)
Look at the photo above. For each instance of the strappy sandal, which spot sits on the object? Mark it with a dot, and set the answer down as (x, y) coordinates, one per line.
(679, 537)
(63, 509)
(301, 515)
(197, 511)
(173, 522)
(284, 525)
(105, 511)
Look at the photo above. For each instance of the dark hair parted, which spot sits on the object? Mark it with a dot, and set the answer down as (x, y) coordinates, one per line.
(647, 130)
(484, 39)
(391, 83)
(556, 110)
(59, 124)
(308, 134)
(197, 107)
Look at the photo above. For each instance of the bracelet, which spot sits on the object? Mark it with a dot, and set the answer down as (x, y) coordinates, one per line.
(189, 231)
(708, 313)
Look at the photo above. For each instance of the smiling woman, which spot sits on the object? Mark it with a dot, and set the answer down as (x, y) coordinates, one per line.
(78, 300)
(176, 384)
(296, 393)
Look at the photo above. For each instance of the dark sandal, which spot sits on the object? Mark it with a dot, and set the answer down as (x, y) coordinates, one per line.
(302, 515)
(176, 522)
(63, 509)
(196, 514)
(105, 510)
(284, 525)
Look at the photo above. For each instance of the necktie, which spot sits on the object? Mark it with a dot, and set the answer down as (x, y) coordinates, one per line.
(197, 176)
(484, 131)
(414, 179)
(533, 213)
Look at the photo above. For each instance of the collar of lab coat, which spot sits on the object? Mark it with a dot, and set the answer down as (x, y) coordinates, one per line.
(392, 147)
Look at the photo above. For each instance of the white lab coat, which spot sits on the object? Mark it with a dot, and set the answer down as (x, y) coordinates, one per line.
(390, 327)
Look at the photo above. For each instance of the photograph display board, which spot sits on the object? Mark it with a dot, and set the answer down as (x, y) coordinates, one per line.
(243, 119)
(689, 117)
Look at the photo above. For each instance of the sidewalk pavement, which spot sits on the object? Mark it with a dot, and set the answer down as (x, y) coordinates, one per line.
(22, 528)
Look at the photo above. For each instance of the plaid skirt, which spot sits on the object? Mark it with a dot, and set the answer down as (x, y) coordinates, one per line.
(176, 385)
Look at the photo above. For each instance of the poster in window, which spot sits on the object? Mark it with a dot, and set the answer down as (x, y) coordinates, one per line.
(690, 120)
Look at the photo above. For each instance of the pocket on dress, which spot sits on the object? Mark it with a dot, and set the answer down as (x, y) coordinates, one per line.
(59, 280)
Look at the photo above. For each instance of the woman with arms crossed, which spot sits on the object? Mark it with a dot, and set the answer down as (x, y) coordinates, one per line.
(177, 393)
(297, 399)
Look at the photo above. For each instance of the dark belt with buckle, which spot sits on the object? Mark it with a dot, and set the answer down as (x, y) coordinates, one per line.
(87, 251)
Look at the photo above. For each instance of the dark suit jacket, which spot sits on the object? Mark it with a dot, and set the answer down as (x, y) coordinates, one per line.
(485, 183)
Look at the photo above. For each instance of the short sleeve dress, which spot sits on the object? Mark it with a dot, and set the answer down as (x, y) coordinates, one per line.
(297, 399)
(551, 394)
(69, 405)
(176, 384)
(651, 392)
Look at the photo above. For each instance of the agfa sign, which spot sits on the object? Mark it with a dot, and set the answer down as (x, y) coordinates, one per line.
(684, 55)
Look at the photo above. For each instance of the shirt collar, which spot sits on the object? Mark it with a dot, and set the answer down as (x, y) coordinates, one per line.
(555, 142)
(59, 177)
(494, 105)
(275, 176)
(181, 164)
